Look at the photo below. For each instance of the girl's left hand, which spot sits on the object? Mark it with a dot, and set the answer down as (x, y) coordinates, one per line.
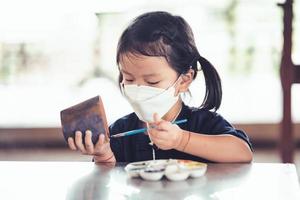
(165, 135)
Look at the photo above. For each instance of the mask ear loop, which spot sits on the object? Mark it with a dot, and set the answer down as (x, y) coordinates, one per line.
(176, 82)
(122, 88)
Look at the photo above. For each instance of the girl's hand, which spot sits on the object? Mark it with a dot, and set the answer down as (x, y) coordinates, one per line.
(101, 150)
(165, 135)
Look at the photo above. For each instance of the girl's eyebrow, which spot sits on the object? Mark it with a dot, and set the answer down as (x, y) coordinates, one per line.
(125, 72)
(146, 75)
(153, 74)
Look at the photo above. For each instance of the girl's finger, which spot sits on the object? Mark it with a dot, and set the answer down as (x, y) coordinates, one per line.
(153, 138)
(149, 132)
(161, 124)
(156, 118)
(89, 146)
(71, 144)
(162, 135)
(158, 134)
(159, 143)
(164, 125)
(100, 142)
(78, 142)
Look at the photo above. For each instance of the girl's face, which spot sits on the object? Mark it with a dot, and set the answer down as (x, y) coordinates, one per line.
(147, 70)
(155, 72)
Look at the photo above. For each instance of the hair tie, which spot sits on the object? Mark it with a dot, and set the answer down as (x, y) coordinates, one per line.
(199, 66)
(196, 58)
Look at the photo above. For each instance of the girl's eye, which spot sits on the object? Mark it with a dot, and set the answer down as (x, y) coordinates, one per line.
(153, 83)
(128, 80)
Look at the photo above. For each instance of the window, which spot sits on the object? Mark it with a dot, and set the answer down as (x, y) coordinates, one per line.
(52, 57)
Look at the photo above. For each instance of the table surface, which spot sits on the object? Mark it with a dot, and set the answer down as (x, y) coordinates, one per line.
(86, 180)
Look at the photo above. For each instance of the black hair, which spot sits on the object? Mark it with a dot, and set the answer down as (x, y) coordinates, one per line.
(163, 34)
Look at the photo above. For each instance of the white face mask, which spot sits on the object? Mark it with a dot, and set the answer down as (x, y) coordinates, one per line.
(146, 100)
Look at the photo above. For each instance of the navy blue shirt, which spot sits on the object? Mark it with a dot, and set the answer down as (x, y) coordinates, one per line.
(136, 147)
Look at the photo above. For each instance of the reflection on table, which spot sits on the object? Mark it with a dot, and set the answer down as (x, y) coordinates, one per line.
(86, 180)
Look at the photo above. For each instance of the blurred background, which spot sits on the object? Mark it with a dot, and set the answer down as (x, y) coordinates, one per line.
(54, 54)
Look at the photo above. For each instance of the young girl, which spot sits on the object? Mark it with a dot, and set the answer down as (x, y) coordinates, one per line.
(158, 60)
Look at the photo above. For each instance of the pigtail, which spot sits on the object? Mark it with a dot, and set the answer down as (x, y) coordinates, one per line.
(213, 92)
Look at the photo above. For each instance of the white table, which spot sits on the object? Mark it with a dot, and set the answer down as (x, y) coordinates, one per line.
(85, 180)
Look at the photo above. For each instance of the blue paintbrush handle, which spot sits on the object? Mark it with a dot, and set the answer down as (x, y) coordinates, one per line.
(142, 130)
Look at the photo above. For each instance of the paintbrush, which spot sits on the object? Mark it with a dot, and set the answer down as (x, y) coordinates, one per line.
(142, 130)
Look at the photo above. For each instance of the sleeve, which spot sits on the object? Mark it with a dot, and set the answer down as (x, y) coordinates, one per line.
(116, 145)
(219, 125)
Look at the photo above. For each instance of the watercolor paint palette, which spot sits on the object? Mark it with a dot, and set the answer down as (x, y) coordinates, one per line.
(172, 169)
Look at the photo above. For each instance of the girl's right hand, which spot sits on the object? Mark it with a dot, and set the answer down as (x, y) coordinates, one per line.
(101, 150)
